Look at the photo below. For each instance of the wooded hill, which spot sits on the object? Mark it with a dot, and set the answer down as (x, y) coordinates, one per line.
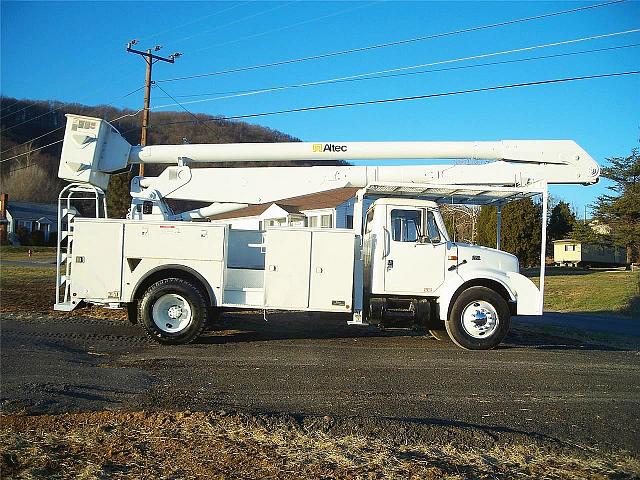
(34, 177)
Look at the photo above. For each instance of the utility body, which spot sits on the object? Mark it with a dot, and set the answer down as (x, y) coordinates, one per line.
(397, 266)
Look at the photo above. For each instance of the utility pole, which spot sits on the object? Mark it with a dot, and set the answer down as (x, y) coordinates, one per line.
(149, 58)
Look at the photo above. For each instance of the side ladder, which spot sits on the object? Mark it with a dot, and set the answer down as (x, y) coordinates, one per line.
(74, 200)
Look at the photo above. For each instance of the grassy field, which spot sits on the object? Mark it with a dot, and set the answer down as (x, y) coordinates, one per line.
(220, 445)
(21, 253)
(602, 292)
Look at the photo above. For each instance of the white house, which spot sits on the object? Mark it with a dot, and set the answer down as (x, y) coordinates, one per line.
(30, 216)
(329, 209)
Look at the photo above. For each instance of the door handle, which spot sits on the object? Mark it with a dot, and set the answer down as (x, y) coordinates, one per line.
(386, 242)
(389, 264)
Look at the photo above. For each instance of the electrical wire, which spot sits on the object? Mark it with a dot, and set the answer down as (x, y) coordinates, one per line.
(233, 22)
(18, 111)
(392, 44)
(287, 27)
(186, 110)
(399, 69)
(9, 106)
(378, 101)
(190, 22)
(436, 70)
(410, 98)
(60, 128)
(58, 141)
(31, 151)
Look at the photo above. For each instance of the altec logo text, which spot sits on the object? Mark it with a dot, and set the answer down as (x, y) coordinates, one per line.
(329, 147)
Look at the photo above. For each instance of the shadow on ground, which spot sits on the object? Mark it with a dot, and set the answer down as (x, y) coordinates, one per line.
(252, 327)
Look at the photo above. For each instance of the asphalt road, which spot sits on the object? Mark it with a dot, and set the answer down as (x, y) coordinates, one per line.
(537, 386)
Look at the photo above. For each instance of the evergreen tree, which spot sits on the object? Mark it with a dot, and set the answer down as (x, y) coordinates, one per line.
(621, 212)
(561, 221)
(520, 231)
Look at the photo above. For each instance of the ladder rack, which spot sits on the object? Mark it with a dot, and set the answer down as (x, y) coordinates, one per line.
(73, 202)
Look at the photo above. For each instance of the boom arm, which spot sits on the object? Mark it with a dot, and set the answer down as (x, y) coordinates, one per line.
(93, 149)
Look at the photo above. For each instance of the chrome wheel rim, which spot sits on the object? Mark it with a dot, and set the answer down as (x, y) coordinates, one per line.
(479, 319)
(172, 313)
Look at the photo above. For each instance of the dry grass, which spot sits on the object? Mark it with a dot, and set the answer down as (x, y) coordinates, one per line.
(31, 291)
(208, 445)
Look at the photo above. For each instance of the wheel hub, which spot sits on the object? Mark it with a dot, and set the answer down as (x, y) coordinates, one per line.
(172, 313)
(175, 311)
(480, 319)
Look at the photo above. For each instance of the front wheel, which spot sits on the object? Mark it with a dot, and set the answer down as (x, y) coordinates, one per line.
(173, 311)
(440, 335)
(479, 319)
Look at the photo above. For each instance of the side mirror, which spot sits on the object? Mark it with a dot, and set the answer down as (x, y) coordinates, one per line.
(424, 239)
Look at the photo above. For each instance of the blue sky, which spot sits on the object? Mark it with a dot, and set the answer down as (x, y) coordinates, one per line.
(75, 52)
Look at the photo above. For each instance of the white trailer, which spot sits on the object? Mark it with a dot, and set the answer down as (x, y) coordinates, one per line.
(397, 264)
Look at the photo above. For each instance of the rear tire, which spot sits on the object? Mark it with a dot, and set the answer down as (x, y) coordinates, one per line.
(173, 311)
(479, 319)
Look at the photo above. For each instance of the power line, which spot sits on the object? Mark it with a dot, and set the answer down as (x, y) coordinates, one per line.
(287, 27)
(378, 101)
(394, 43)
(60, 128)
(233, 22)
(190, 22)
(21, 110)
(415, 97)
(30, 151)
(58, 141)
(186, 110)
(435, 70)
(411, 67)
(9, 106)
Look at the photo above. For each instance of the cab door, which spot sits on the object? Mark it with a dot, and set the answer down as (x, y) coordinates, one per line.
(414, 252)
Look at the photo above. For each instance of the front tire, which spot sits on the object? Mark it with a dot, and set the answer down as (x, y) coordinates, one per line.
(479, 319)
(440, 335)
(173, 311)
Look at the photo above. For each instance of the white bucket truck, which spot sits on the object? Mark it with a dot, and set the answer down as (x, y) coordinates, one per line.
(173, 272)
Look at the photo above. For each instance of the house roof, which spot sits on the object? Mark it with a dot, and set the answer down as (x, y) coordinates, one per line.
(33, 211)
(312, 201)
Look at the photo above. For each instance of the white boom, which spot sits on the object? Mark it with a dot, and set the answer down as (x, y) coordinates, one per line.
(93, 149)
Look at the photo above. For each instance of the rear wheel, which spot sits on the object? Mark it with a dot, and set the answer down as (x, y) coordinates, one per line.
(479, 319)
(173, 311)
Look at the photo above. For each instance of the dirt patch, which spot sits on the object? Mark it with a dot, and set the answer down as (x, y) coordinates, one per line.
(220, 445)
(31, 291)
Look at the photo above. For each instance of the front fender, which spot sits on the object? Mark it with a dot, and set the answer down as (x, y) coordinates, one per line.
(527, 294)
(457, 283)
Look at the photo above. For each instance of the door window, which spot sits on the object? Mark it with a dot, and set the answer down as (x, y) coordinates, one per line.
(432, 228)
(405, 225)
(369, 221)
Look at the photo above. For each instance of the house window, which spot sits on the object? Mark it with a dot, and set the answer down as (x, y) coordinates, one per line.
(313, 222)
(349, 221)
(569, 248)
(326, 221)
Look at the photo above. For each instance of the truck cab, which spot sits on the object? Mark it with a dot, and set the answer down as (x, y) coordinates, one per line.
(415, 275)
